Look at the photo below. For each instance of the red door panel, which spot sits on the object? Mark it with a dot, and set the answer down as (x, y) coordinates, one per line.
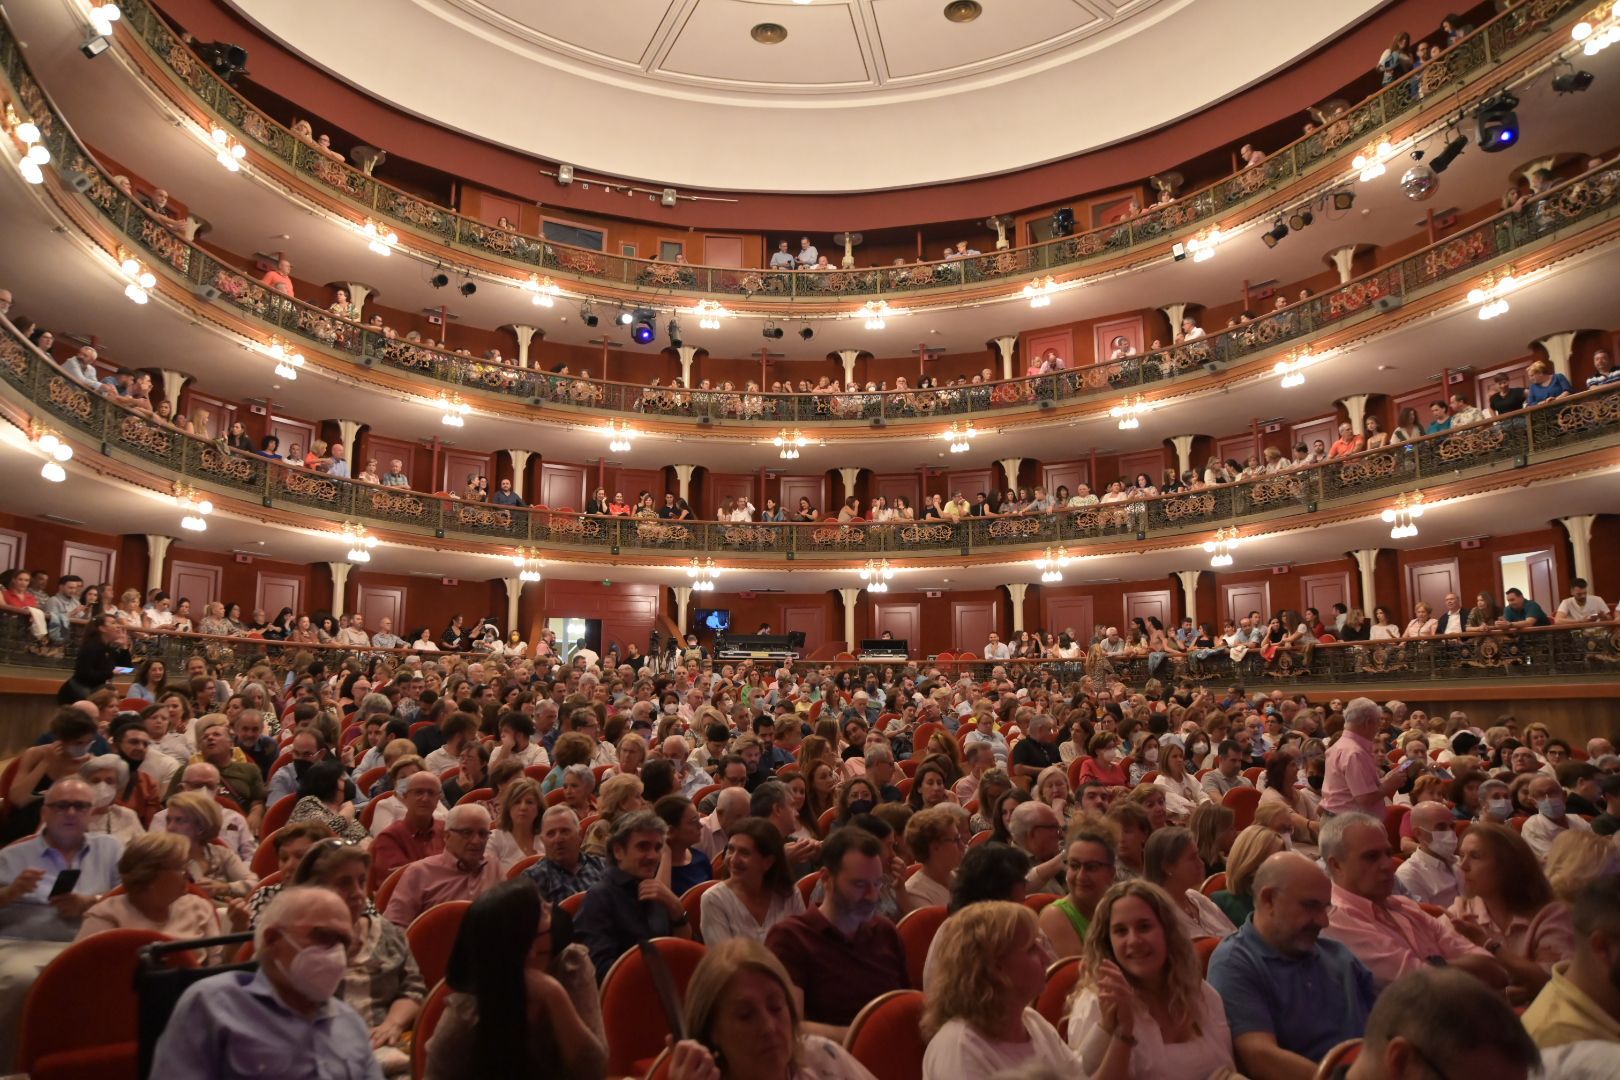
(562, 486)
(197, 582)
(379, 602)
(276, 591)
(1322, 591)
(902, 620)
(1144, 604)
(94, 564)
(1240, 599)
(972, 623)
(811, 621)
(1060, 613)
(1429, 582)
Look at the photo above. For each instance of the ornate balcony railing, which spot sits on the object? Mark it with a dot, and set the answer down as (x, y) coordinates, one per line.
(1573, 203)
(1555, 428)
(1479, 53)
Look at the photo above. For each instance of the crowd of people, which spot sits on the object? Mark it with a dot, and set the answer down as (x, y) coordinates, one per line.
(578, 803)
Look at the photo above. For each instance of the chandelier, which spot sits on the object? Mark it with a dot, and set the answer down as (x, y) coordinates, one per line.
(874, 311)
(380, 238)
(790, 443)
(1403, 515)
(360, 542)
(1490, 293)
(545, 290)
(36, 153)
(230, 152)
(102, 16)
(960, 436)
(1591, 39)
(702, 574)
(1370, 162)
(709, 313)
(288, 359)
(1292, 367)
(195, 504)
(876, 573)
(1051, 564)
(1220, 548)
(140, 278)
(1203, 245)
(454, 409)
(1130, 414)
(56, 453)
(527, 560)
(1039, 292)
(620, 434)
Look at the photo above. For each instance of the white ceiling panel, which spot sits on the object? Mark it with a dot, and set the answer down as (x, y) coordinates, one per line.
(824, 47)
(915, 41)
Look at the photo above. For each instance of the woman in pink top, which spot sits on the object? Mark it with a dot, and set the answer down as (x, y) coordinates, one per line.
(1508, 907)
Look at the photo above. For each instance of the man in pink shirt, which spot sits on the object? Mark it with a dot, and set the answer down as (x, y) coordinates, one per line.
(1391, 935)
(279, 279)
(415, 836)
(461, 871)
(1352, 782)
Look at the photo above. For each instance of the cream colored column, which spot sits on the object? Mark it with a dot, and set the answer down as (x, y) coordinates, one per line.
(1343, 260)
(1529, 169)
(1367, 563)
(1183, 445)
(525, 334)
(1005, 346)
(1009, 468)
(683, 480)
(849, 356)
(340, 582)
(1559, 348)
(514, 593)
(359, 294)
(849, 476)
(1189, 593)
(173, 383)
(1579, 528)
(1015, 593)
(157, 549)
(1355, 406)
(348, 431)
(1175, 313)
(683, 597)
(849, 596)
(520, 465)
(687, 353)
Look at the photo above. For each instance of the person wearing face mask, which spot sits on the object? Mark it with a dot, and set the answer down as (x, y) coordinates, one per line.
(72, 730)
(1551, 819)
(106, 774)
(282, 1019)
(1495, 803)
(1430, 875)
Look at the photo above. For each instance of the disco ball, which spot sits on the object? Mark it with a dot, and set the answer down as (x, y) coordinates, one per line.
(1419, 182)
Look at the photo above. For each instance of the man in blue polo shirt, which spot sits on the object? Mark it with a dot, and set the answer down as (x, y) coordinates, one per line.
(1290, 995)
(1520, 610)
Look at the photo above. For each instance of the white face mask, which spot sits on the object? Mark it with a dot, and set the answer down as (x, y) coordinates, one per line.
(105, 793)
(1151, 755)
(316, 970)
(1109, 756)
(1500, 809)
(1443, 844)
(1550, 807)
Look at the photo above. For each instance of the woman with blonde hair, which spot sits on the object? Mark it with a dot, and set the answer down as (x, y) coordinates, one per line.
(1508, 906)
(1172, 862)
(517, 826)
(1142, 1008)
(1253, 846)
(620, 795)
(214, 867)
(632, 755)
(1182, 791)
(152, 870)
(989, 964)
(1214, 829)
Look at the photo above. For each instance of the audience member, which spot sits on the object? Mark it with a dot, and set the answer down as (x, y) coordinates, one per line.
(633, 901)
(1431, 1020)
(461, 871)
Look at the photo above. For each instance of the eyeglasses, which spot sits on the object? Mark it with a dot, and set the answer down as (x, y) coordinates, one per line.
(1090, 867)
(73, 805)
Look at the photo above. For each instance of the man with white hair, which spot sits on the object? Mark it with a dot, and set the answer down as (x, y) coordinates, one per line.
(1036, 830)
(418, 830)
(1431, 876)
(565, 870)
(1598, 747)
(730, 807)
(385, 638)
(689, 779)
(1551, 819)
(462, 871)
(234, 832)
(282, 1019)
(1351, 782)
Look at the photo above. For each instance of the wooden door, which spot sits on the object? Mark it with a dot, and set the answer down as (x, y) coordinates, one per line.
(1141, 605)
(1070, 474)
(562, 486)
(1542, 571)
(379, 602)
(1152, 462)
(972, 623)
(724, 487)
(1485, 382)
(969, 482)
(1104, 333)
(456, 465)
(1325, 428)
(1322, 591)
(1240, 598)
(722, 250)
(14, 550)
(276, 591)
(634, 481)
(890, 485)
(94, 564)
(1418, 401)
(1060, 613)
(809, 620)
(291, 432)
(1238, 447)
(211, 416)
(903, 620)
(1429, 582)
(794, 488)
(385, 452)
(197, 582)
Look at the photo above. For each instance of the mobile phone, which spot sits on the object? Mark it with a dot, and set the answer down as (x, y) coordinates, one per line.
(123, 671)
(64, 883)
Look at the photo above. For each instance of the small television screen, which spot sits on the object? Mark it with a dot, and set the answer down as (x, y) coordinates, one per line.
(717, 620)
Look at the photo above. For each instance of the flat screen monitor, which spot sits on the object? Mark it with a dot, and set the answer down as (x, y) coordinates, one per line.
(716, 619)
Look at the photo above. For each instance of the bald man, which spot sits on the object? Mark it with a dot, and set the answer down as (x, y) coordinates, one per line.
(1290, 994)
(1431, 876)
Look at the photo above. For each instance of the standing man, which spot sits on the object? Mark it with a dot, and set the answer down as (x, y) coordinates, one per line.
(807, 253)
(1351, 782)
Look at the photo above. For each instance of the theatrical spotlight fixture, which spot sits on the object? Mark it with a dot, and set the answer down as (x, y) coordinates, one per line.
(702, 574)
(1063, 222)
(468, 288)
(1291, 369)
(1572, 82)
(228, 152)
(790, 443)
(1403, 515)
(1344, 200)
(288, 359)
(102, 17)
(141, 280)
(960, 435)
(1498, 123)
(439, 280)
(1454, 146)
(1277, 232)
(1592, 39)
(1300, 218)
(360, 542)
(1491, 293)
(624, 318)
(1039, 292)
(195, 504)
(673, 329)
(1220, 548)
(709, 313)
(620, 434)
(587, 314)
(643, 332)
(34, 153)
(1370, 162)
(806, 333)
(874, 312)
(1130, 414)
(544, 290)
(527, 560)
(56, 454)
(381, 239)
(454, 409)
(771, 331)
(1051, 564)
(876, 573)
(1203, 244)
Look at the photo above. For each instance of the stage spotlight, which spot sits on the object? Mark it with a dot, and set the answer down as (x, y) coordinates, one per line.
(587, 315)
(806, 333)
(1300, 218)
(674, 331)
(624, 318)
(643, 333)
(1498, 123)
(1343, 200)
(772, 331)
(468, 288)
(439, 281)
(1063, 222)
(1572, 82)
(1442, 161)
(1277, 233)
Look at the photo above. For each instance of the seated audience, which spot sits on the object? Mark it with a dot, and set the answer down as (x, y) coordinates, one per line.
(936, 844)
(1171, 861)
(1431, 875)
(213, 867)
(107, 775)
(291, 844)
(1578, 1012)
(326, 794)
(1551, 817)
(517, 829)
(758, 891)
(1435, 1016)
(417, 833)
(156, 896)
(1508, 907)
(461, 871)
(633, 901)
(566, 869)
(1089, 869)
(687, 865)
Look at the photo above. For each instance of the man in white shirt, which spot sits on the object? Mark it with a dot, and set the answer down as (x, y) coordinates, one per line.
(354, 635)
(1190, 330)
(81, 367)
(740, 510)
(585, 652)
(807, 252)
(997, 649)
(1551, 819)
(1454, 620)
(783, 259)
(1580, 605)
(1431, 876)
(338, 465)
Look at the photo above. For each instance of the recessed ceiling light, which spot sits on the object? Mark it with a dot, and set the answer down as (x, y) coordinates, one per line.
(769, 33)
(963, 11)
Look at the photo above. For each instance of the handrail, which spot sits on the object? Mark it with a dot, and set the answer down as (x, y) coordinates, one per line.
(1456, 256)
(1552, 428)
(1481, 50)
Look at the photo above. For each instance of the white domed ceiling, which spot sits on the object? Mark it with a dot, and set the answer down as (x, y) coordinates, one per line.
(842, 95)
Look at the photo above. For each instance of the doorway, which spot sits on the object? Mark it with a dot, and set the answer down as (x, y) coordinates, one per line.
(1534, 573)
(571, 631)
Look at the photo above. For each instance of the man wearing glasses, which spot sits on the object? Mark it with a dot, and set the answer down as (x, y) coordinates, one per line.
(31, 904)
(462, 871)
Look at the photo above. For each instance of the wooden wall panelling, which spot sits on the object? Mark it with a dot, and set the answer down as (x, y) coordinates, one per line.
(94, 564)
(456, 465)
(562, 486)
(634, 481)
(276, 591)
(384, 451)
(1065, 473)
(722, 250)
(377, 602)
(1152, 462)
(970, 482)
(1325, 428)
(810, 620)
(291, 432)
(723, 487)
(1240, 598)
(814, 488)
(903, 620)
(1485, 384)
(889, 485)
(197, 582)
(1322, 591)
(972, 623)
(14, 551)
(1240, 447)
(1429, 582)
(1104, 333)
(1416, 399)
(1059, 613)
(1543, 573)
(1034, 346)
(1156, 603)
(220, 413)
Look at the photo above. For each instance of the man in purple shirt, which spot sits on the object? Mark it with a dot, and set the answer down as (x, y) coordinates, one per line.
(460, 872)
(841, 954)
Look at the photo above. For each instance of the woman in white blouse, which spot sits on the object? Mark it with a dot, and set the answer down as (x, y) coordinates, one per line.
(759, 891)
(1171, 861)
(1382, 628)
(1143, 1011)
(1424, 625)
(517, 831)
(1182, 791)
(936, 842)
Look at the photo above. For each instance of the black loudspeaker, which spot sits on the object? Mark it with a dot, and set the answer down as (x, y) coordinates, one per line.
(705, 421)
(1046, 403)
(1386, 304)
(878, 421)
